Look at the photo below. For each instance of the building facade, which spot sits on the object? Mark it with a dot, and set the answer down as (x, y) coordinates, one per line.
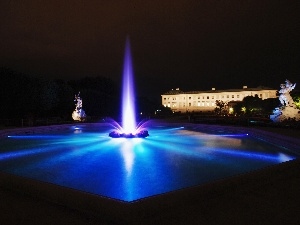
(205, 101)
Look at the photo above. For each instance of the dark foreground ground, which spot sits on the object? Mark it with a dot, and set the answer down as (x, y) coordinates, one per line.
(269, 196)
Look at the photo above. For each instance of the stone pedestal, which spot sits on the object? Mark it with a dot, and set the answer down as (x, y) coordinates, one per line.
(285, 112)
(79, 115)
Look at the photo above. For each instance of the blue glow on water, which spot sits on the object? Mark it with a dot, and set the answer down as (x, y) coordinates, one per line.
(129, 169)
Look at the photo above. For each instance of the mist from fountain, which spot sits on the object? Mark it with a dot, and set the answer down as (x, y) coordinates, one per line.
(129, 127)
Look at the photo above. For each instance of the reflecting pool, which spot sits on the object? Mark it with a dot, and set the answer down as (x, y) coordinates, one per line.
(85, 158)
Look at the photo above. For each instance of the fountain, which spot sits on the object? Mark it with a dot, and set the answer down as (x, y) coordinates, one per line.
(129, 128)
(79, 165)
(288, 110)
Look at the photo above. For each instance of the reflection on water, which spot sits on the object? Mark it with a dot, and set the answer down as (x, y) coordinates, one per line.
(128, 155)
(128, 169)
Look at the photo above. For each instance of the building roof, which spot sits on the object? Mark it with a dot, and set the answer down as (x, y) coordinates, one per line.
(174, 92)
(177, 91)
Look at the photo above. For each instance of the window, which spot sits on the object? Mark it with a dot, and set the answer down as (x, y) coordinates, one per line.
(207, 97)
(227, 96)
(238, 96)
(232, 96)
(190, 97)
(260, 95)
(190, 104)
(165, 98)
(212, 97)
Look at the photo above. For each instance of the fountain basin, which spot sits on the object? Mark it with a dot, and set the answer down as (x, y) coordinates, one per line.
(174, 157)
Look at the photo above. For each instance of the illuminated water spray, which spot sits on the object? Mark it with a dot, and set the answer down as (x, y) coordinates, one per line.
(128, 106)
(129, 128)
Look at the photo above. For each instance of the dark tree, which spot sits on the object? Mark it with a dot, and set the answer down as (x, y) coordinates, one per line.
(99, 94)
(220, 107)
(255, 106)
(19, 94)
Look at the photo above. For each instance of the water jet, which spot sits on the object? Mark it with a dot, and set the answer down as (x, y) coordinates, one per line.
(129, 128)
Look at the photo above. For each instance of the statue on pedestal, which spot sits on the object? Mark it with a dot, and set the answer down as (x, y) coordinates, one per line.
(78, 114)
(288, 109)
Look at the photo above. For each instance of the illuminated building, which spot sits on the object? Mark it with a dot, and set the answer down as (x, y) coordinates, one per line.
(205, 101)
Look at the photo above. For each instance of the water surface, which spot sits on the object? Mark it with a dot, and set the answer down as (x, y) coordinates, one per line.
(171, 158)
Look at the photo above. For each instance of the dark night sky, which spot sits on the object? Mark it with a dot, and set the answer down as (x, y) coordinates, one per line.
(193, 45)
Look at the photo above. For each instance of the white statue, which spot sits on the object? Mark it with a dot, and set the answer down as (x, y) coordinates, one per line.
(288, 109)
(285, 97)
(78, 113)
